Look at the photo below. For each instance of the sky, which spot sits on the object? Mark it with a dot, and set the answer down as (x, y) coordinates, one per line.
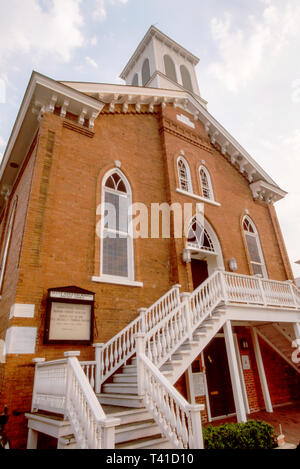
(249, 70)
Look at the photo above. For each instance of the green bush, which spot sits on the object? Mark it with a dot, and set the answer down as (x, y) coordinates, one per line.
(250, 435)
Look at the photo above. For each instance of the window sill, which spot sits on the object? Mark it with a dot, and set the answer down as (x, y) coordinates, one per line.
(198, 197)
(117, 281)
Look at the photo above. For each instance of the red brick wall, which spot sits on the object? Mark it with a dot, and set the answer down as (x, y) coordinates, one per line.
(55, 244)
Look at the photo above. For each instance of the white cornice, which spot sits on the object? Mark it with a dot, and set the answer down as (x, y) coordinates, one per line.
(230, 148)
(86, 100)
(42, 95)
(261, 190)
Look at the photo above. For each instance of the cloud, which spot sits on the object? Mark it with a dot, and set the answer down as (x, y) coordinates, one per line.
(28, 27)
(100, 11)
(91, 62)
(245, 53)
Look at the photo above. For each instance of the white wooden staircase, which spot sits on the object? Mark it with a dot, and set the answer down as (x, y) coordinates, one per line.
(280, 337)
(128, 392)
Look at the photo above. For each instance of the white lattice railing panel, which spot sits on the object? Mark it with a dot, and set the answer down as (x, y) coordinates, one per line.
(62, 387)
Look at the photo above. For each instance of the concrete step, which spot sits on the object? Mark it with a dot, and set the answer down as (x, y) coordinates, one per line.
(121, 400)
(125, 378)
(136, 431)
(120, 388)
(131, 369)
(127, 415)
(157, 442)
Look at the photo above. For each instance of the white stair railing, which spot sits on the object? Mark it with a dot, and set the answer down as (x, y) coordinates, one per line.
(62, 387)
(296, 295)
(174, 329)
(179, 421)
(167, 336)
(206, 298)
(112, 355)
(265, 292)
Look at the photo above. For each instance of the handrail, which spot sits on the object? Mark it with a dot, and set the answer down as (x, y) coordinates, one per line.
(62, 387)
(165, 338)
(179, 421)
(112, 355)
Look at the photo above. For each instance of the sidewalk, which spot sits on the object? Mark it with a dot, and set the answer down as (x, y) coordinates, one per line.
(288, 417)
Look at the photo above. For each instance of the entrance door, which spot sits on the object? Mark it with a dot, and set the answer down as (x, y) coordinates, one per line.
(218, 379)
(199, 272)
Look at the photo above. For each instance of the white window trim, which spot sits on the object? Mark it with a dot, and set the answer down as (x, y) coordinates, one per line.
(260, 251)
(198, 197)
(117, 281)
(210, 187)
(114, 279)
(7, 243)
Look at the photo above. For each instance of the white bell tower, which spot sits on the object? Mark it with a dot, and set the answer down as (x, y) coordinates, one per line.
(159, 62)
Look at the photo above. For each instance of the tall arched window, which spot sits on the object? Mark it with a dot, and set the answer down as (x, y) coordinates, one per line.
(206, 185)
(116, 236)
(186, 78)
(184, 175)
(146, 72)
(255, 253)
(135, 80)
(170, 68)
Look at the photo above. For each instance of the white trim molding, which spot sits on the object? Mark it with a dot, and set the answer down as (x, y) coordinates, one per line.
(117, 281)
(198, 197)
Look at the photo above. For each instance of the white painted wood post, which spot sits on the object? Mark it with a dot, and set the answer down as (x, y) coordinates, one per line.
(185, 297)
(296, 343)
(98, 373)
(32, 439)
(195, 411)
(36, 361)
(296, 327)
(109, 433)
(143, 312)
(234, 373)
(191, 389)
(223, 284)
(291, 283)
(261, 371)
(140, 350)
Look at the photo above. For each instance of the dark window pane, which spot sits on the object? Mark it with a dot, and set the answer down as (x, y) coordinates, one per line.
(115, 256)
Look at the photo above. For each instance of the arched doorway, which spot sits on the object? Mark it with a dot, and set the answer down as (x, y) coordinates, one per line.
(205, 249)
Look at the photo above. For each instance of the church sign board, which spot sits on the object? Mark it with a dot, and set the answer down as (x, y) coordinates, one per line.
(69, 316)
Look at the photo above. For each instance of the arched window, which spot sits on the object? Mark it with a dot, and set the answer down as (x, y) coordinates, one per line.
(184, 175)
(255, 253)
(186, 78)
(199, 237)
(170, 68)
(135, 80)
(116, 236)
(206, 185)
(145, 72)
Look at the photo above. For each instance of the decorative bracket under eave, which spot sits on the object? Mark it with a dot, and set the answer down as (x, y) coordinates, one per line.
(265, 192)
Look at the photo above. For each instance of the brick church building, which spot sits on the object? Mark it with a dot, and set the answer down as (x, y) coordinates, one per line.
(133, 335)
